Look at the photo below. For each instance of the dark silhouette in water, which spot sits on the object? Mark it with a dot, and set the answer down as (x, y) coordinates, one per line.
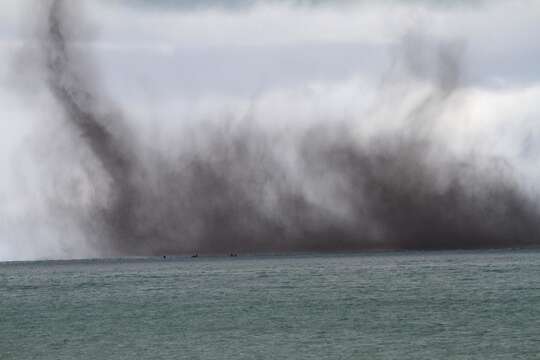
(397, 194)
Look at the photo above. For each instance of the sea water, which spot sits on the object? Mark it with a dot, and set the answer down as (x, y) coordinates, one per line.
(406, 305)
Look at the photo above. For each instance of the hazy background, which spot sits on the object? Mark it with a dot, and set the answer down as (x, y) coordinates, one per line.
(284, 65)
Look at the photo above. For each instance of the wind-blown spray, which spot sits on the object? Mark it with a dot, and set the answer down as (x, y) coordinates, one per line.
(400, 189)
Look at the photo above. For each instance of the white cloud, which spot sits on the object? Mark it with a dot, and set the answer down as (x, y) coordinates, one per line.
(286, 66)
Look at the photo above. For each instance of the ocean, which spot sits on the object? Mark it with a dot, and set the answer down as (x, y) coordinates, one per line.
(387, 305)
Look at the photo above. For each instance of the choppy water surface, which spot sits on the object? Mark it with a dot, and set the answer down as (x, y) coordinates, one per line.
(459, 305)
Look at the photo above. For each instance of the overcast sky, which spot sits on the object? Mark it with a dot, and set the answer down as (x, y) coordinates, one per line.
(167, 62)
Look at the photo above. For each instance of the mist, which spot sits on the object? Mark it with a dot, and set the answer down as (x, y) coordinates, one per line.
(401, 138)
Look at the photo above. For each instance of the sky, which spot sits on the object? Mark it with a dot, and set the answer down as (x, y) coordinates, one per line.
(169, 66)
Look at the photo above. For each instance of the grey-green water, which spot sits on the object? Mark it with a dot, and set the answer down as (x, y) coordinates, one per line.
(445, 305)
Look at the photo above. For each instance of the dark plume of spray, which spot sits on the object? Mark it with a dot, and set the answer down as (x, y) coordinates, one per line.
(231, 192)
(68, 80)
